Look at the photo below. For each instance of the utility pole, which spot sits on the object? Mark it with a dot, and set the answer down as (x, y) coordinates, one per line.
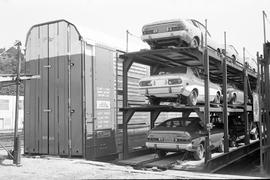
(264, 32)
(127, 41)
(17, 148)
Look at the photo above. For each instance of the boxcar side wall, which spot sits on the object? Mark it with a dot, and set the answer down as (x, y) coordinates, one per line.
(95, 126)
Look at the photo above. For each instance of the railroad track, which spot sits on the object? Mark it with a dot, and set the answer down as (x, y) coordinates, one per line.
(154, 162)
(7, 137)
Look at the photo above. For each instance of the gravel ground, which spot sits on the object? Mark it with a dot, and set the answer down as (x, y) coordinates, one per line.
(49, 167)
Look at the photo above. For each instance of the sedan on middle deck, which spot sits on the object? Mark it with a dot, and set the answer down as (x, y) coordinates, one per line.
(180, 84)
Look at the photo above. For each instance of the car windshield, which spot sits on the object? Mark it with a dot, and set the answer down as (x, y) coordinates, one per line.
(175, 70)
(200, 26)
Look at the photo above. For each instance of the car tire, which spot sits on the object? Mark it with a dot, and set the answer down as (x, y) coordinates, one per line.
(220, 148)
(217, 99)
(254, 136)
(199, 153)
(232, 142)
(161, 153)
(154, 101)
(233, 99)
(192, 98)
(194, 43)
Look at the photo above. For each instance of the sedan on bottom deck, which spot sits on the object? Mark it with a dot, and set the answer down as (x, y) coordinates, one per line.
(183, 134)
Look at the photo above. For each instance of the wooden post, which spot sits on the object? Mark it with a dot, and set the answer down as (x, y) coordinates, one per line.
(17, 148)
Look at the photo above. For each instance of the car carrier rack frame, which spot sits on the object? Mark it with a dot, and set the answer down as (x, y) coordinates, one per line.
(237, 74)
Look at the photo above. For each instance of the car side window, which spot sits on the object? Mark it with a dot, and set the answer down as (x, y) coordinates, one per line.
(168, 124)
(176, 124)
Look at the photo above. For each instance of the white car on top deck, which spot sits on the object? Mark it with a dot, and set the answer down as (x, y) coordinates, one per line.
(176, 32)
(179, 84)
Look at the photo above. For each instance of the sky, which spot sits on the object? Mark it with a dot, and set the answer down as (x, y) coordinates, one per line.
(241, 19)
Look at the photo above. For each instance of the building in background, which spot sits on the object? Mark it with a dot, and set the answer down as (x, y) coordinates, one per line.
(7, 112)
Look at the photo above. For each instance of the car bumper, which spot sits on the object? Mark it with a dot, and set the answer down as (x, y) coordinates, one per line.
(164, 91)
(183, 35)
(171, 146)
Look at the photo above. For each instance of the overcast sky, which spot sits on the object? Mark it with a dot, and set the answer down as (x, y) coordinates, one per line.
(241, 19)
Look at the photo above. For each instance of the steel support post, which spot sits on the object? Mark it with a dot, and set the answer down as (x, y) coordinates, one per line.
(260, 107)
(225, 101)
(245, 115)
(126, 116)
(153, 117)
(17, 148)
(267, 105)
(207, 103)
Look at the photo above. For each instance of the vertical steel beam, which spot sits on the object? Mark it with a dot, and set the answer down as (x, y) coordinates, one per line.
(17, 151)
(225, 100)
(153, 117)
(126, 117)
(126, 66)
(245, 115)
(207, 103)
(260, 107)
(267, 105)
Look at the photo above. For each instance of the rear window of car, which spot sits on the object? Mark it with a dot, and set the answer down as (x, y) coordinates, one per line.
(175, 123)
(175, 70)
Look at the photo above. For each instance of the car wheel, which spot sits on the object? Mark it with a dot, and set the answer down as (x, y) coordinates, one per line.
(193, 98)
(233, 142)
(161, 153)
(194, 43)
(199, 154)
(154, 101)
(233, 99)
(220, 148)
(217, 98)
(254, 136)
